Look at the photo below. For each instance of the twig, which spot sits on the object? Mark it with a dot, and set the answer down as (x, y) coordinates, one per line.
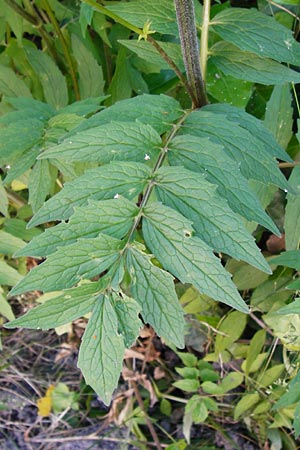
(64, 47)
(148, 421)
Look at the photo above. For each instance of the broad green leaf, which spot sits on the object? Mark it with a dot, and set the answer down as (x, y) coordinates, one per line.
(255, 126)
(197, 407)
(21, 165)
(11, 85)
(102, 350)
(5, 308)
(41, 181)
(85, 107)
(146, 51)
(256, 345)
(292, 213)
(127, 310)
(9, 244)
(169, 236)
(250, 67)
(290, 258)
(13, 20)
(271, 291)
(254, 160)
(256, 32)
(231, 381)
(188, 359)
(158, 111)
(211, 388)
(101, 183)
(126, 141)
(154, 290)
(204, 156)
(160, 13)
(113, 217)
(226, 88)
(64, 308)
(187, 385)
(291, 308)
(84, 259)
(279, 114)
(18, 228)
(120, 86)
(231, 328)
(188, 372)
(245, 276)
(52, 80)
(18, 137)
(86, 16)
(8, 275)
(35, 108)
(271, 375)
(213, 220)
(246, 403)
(3, 201)
(91, 82)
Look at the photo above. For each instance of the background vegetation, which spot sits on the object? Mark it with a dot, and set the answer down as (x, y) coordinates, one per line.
(97, 133)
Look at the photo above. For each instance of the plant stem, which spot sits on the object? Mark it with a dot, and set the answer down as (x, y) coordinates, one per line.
(171, 64)
(204, 38)
(148, 421)
(64, 46)
(190, 50)
(151, 183)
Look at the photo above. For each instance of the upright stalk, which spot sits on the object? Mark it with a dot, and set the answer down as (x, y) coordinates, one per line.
(190, 50)
(64, 46)
(204, 38)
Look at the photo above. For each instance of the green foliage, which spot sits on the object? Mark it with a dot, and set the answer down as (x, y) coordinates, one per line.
(154, 199)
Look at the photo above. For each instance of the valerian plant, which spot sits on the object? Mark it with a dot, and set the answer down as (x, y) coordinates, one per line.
(162, 191)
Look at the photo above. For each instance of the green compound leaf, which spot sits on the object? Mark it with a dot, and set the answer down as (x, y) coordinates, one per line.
(106, 182)
(239, 144)
(127, 141)
(62, 309)
(213, 220)
(249, 66)
(85, 258)
(102, 350)
(256, 32)
(127, 310)
(204, 156)
(169, 236)
(154, 290)
(112, 217)
(158, 111)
